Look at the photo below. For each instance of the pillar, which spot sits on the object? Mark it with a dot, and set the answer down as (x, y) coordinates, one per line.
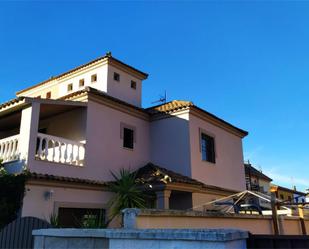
(29, 126)
(163, 199)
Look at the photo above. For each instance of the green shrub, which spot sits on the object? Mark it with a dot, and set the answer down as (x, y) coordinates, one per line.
(12, 190)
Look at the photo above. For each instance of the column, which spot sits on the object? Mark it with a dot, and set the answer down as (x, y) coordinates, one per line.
(163, 199)
(29, 126)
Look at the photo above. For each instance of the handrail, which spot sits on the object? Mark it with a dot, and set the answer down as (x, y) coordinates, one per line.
(9, 148)
(60, 150)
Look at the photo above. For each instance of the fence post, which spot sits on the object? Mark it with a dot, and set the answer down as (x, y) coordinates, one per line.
(301, 219)
(274, 212)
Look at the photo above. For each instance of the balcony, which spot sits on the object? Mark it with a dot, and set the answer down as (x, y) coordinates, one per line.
(59, 150)
(9, 149)
(41, 134)
(49, 148)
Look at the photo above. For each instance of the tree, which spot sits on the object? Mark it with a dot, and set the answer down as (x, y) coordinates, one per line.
(127, 193)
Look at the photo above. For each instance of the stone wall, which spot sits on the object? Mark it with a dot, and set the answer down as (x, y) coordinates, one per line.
(139, 239)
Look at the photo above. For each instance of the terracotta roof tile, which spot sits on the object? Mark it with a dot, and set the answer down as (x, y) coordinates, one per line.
(152, 174)
(36, 176)
(11, 102)
(171, 106)
(178, 105)
(108, 56)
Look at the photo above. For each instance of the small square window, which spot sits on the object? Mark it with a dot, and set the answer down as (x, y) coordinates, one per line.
(116, 76)
(133, 84)
(93, 78)
(81, 82)
(208, 148)
(70, 87)
(128, 138)
(48, 95)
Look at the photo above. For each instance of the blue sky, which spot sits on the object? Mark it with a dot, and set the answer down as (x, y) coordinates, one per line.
(246, 62)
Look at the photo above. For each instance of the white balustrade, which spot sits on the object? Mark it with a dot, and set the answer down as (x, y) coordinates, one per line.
(9, 150)
(60, 150)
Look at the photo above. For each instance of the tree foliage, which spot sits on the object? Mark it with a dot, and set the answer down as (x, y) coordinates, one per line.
(127, 193)
(12, 190)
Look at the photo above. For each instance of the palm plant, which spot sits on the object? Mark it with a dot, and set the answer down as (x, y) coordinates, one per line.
(127, 193)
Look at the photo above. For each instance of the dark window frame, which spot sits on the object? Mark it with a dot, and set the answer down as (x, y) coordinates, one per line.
(81, 82)
(48, 95)
(125, 130)
(128, 138)
(94, 78)
(207, 146)
(116, 77)
(133, 84)
(70, 87)
(71, 217)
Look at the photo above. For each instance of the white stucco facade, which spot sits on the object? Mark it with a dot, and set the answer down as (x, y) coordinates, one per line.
(98, 75)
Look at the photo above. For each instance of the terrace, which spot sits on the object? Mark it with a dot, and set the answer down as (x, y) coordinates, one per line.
(33, 131)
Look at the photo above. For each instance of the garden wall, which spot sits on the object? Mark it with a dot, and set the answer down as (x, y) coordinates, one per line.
(255, 224)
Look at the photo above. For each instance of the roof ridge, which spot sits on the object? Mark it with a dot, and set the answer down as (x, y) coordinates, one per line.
(107, 55)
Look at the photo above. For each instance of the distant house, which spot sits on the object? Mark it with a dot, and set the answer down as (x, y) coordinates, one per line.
(71, 130)
(290, 195)
(256, 180)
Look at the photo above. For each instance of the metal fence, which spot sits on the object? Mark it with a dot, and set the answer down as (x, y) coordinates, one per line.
(18, 234)
(278, 241)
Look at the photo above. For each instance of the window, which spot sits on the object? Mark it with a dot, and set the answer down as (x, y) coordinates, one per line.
(93, 78)
(116, 76)
(208, 148)
(128, 138)
(70, 87)
(81, 82)
(81, 217)
(48, 95)
(133, 84)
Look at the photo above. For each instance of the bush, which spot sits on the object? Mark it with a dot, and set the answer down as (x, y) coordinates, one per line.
(12, 190)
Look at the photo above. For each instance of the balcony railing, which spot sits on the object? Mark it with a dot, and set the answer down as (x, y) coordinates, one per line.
(9, 148)
(60, 150)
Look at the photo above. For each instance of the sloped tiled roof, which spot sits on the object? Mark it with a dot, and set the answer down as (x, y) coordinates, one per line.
(47, 177)
(171, 106)
(289, 190)
(153, 174)
(108, 56)
(249, 169)
(11, 102)
(149, 174)
(178, 105)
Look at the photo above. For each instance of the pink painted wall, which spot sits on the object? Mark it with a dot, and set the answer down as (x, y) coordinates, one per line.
(228, 171)
(104, 148)
(35, 205)
(122, 89)
(170, 143)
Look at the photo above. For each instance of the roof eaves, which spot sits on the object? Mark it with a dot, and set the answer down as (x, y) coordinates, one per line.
(47, 177)
(107, 56)
(89, 91)
(241, 131)
(254, 171)
(150, 168)
(179, 105)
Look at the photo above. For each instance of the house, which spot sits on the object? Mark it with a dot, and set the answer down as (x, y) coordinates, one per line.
(259, 182)
(256, 180)
(72, 130)
(289, 195)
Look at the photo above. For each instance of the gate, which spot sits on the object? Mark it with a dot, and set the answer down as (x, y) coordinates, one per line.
(18, 234)
(277, 241)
